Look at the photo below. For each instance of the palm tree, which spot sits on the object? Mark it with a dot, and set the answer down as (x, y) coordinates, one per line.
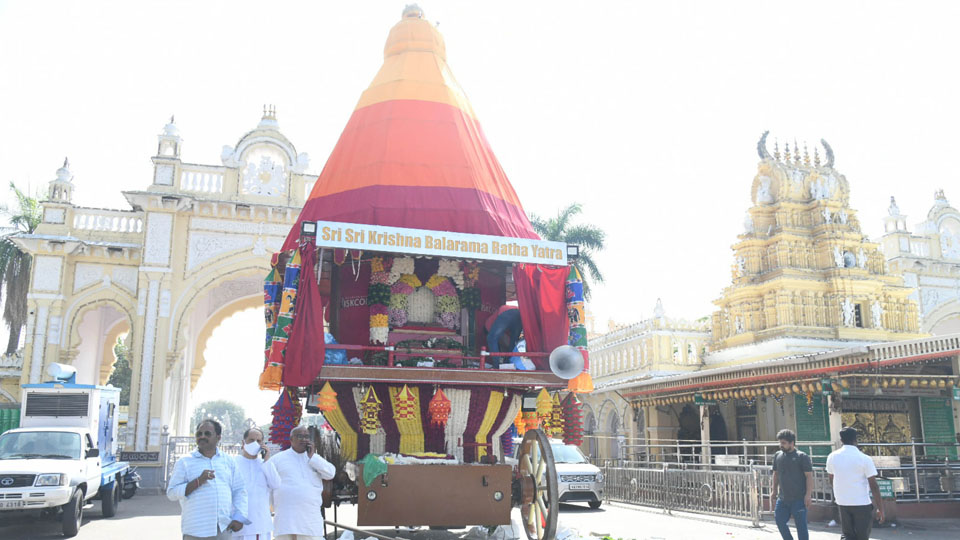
(15, 264)
(589, 237)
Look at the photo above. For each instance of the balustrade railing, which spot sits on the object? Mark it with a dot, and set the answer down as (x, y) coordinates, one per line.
(116, 221)
(917, 471)
(201, 179)
(13, 360)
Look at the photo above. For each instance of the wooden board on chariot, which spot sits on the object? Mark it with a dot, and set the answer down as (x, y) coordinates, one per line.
(446, 376)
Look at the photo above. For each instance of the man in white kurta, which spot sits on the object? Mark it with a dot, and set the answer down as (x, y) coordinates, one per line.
(260, 478)
(298, 502)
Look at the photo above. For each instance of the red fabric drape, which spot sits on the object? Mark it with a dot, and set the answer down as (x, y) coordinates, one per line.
(540, 295)
(305, 350)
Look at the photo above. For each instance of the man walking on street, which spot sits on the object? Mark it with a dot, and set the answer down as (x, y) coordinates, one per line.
(213, 501)
(792, 486)
(851, 472)
(298, 502)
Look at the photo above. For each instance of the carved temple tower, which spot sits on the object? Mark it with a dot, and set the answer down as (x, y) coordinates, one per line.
(805, 278)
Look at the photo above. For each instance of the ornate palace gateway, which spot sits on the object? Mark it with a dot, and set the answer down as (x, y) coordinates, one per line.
(190, 252)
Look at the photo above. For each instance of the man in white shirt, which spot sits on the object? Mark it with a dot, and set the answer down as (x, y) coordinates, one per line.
(298, 502)
(851, 472)
(260, 478)
(213, 501)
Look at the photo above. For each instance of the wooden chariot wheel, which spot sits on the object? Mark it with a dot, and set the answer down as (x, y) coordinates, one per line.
(537, 475)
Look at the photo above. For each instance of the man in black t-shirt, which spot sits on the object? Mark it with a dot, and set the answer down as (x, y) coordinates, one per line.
(792, 485)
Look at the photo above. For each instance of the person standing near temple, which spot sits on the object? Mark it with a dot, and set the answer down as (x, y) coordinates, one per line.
(854, 478)
(792, 486)
(213, 500)
(298, 502)
(260, 478)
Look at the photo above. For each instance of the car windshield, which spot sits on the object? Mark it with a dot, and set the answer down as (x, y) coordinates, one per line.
(567, 453)
(40, 445)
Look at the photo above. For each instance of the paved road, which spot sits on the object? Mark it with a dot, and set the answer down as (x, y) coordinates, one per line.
(156, 518)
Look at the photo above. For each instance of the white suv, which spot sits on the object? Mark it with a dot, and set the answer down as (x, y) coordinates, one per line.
(579, 480)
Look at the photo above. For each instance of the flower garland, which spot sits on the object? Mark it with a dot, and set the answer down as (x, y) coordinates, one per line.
(400, 292)
(451, 269)
(448, 302)
(470, 293)
(378, 296)
(392, 281)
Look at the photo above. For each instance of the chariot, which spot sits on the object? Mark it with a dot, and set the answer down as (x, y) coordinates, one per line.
(381, 302)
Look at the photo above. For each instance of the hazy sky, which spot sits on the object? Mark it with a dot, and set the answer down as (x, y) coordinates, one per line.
(648, 113)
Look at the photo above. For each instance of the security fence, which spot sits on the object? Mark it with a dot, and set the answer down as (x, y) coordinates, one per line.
(726, 493)
(715, 478)
(173, 448)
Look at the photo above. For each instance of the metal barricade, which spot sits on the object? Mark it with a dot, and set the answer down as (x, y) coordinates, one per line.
(725, 493)
(174, 448)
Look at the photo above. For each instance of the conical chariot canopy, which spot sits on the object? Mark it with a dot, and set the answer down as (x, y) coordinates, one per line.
(413, 153)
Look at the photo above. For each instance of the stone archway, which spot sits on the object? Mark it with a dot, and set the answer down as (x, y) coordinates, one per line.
(590, 431)
(94, 324)
(945, 319)
(216, 297)
(191, 249)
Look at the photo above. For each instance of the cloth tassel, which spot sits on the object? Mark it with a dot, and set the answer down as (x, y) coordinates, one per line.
(271, 377)
(582, 383)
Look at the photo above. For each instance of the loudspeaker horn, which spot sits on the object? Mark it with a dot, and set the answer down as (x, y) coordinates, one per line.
(61, 372)
(566, 362)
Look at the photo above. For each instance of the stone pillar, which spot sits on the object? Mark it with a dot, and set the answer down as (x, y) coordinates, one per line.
(706, 458)
(955, 369)
(835, 422)
(153, 302)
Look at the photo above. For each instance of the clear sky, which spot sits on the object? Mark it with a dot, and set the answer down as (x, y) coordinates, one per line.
(648, 113)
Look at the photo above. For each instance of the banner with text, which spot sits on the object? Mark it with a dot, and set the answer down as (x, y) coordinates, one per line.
(332, 234)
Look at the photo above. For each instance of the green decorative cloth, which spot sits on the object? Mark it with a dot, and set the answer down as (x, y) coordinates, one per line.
(372, 468)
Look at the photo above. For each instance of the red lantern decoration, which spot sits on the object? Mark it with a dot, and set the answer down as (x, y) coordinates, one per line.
(572, 419)
(439, 409)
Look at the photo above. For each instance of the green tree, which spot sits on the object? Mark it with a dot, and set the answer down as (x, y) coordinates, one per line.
(230, 415)
(122, 373)
(590, 238)
(24, 217)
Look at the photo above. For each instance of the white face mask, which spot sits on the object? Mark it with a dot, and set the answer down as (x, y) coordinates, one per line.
(251, 448)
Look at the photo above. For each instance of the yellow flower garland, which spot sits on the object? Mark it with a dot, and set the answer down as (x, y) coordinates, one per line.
(493, 409)
(411, 429)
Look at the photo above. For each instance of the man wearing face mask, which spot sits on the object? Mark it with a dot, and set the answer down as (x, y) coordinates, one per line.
(260, 477)
(213, 500)
(298, 502)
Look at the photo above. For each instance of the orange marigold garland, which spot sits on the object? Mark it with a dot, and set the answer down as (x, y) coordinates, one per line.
(518, 423)
(327, 398)
(530, 420)
(406, 403)
(370, 412)
(439, 409)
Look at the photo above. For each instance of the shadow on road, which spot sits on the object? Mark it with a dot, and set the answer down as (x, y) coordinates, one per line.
(31, 526)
